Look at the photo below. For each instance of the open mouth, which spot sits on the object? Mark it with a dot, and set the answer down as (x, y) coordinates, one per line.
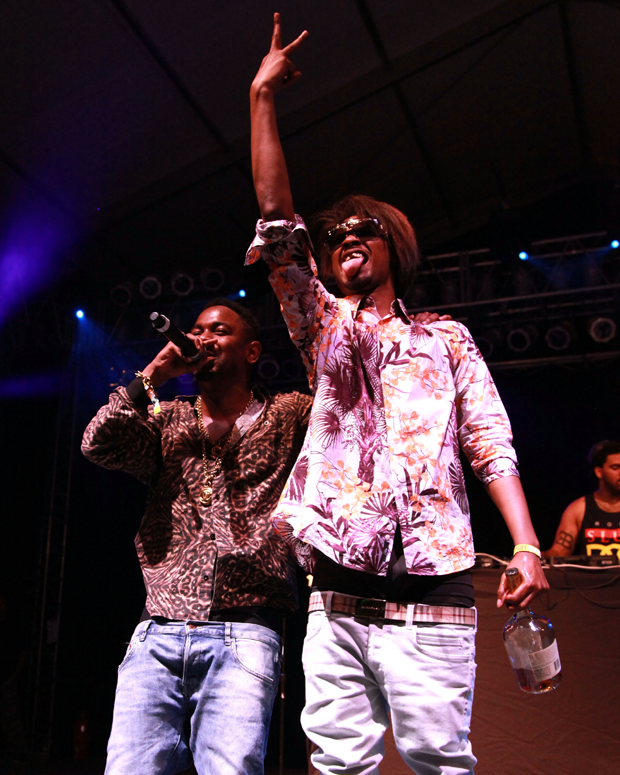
(352, 261)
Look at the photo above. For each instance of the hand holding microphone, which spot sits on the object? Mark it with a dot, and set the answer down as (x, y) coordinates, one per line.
(167, 364)
(187, 347)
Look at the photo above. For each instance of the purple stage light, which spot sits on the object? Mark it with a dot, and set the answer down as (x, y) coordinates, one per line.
(31, 254)
(29, 385)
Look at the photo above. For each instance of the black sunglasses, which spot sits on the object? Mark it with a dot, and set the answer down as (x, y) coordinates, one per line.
(363, 228)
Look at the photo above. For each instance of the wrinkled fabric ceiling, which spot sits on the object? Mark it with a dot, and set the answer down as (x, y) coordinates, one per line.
(128, 119)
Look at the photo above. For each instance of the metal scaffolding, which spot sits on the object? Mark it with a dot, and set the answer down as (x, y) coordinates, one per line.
(49, 590)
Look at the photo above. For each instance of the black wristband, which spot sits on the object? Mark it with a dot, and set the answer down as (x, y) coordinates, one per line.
(137, 393)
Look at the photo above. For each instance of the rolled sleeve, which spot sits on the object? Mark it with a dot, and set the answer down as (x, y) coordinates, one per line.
(281, 243)
(483, 425)
(497, 469)
(307, 307)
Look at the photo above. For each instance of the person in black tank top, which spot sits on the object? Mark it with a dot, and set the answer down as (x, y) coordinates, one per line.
(591, 524)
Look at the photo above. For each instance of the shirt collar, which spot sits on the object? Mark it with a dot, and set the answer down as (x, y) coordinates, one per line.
(247, 419)
(358, 303)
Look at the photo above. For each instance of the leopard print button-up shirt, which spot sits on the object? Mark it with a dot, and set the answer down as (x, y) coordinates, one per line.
(195, 558)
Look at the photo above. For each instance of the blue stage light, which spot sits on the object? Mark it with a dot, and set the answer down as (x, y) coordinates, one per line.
(523, 255)
(615, 243)
(79, 314)
(242, 294)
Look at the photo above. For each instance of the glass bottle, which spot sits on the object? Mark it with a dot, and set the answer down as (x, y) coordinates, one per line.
(532, 647)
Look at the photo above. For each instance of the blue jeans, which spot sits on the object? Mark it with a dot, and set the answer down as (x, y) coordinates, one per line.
(206, 688)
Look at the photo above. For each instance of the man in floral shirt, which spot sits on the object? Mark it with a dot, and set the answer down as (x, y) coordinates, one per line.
(376, 506)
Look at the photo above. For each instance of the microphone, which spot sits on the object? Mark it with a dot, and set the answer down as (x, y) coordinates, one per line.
(187, 347)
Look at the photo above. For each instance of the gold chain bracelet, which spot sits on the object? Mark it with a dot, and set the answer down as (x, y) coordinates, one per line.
(150, 391)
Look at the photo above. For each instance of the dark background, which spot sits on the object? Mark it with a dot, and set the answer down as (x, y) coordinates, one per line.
(124, 152)
(557, 413)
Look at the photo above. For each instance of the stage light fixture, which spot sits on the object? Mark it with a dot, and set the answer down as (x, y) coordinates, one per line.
(292, 369)
(487, 341)
(79, 313)
(182, 284)
(615, 244)
(212, 279)
(268, 368)
(150, 287)
(523, 255)
(242, 293)
(485, 346)
(121, 294)
(558, 338)
(602, 330)
(521, 339)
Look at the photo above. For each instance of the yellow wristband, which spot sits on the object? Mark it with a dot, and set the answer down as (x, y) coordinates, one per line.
(526, 548)
(150, 391)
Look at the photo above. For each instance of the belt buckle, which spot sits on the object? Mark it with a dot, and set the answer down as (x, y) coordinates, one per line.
(370, 607)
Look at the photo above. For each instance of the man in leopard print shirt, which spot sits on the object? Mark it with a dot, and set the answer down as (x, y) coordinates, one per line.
(218, 579)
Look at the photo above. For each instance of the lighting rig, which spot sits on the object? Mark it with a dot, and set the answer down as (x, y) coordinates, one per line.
(556, 301)
(550, 301)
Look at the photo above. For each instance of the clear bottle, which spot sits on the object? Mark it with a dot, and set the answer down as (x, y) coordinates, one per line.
(532, 647)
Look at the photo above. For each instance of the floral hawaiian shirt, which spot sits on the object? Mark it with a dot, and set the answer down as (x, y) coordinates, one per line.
(393, 401)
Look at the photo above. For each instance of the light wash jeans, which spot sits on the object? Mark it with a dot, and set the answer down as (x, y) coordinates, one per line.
(206, 688)
(357, 671)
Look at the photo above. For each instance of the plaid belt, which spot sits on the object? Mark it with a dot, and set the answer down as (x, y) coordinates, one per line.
(384, 609)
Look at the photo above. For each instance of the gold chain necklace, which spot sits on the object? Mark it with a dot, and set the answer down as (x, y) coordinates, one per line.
(218, 450)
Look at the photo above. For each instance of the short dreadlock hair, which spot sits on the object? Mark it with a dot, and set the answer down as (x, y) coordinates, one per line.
(403, 245)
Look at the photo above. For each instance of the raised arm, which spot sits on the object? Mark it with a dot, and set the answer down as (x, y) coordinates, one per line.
(124, 435)
(271, 182)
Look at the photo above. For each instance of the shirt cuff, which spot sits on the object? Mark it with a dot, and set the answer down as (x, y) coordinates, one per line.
(268, 232)
(497, 469)
(137, 393)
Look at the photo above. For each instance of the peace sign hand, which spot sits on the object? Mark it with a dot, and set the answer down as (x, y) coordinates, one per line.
(277, 70)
